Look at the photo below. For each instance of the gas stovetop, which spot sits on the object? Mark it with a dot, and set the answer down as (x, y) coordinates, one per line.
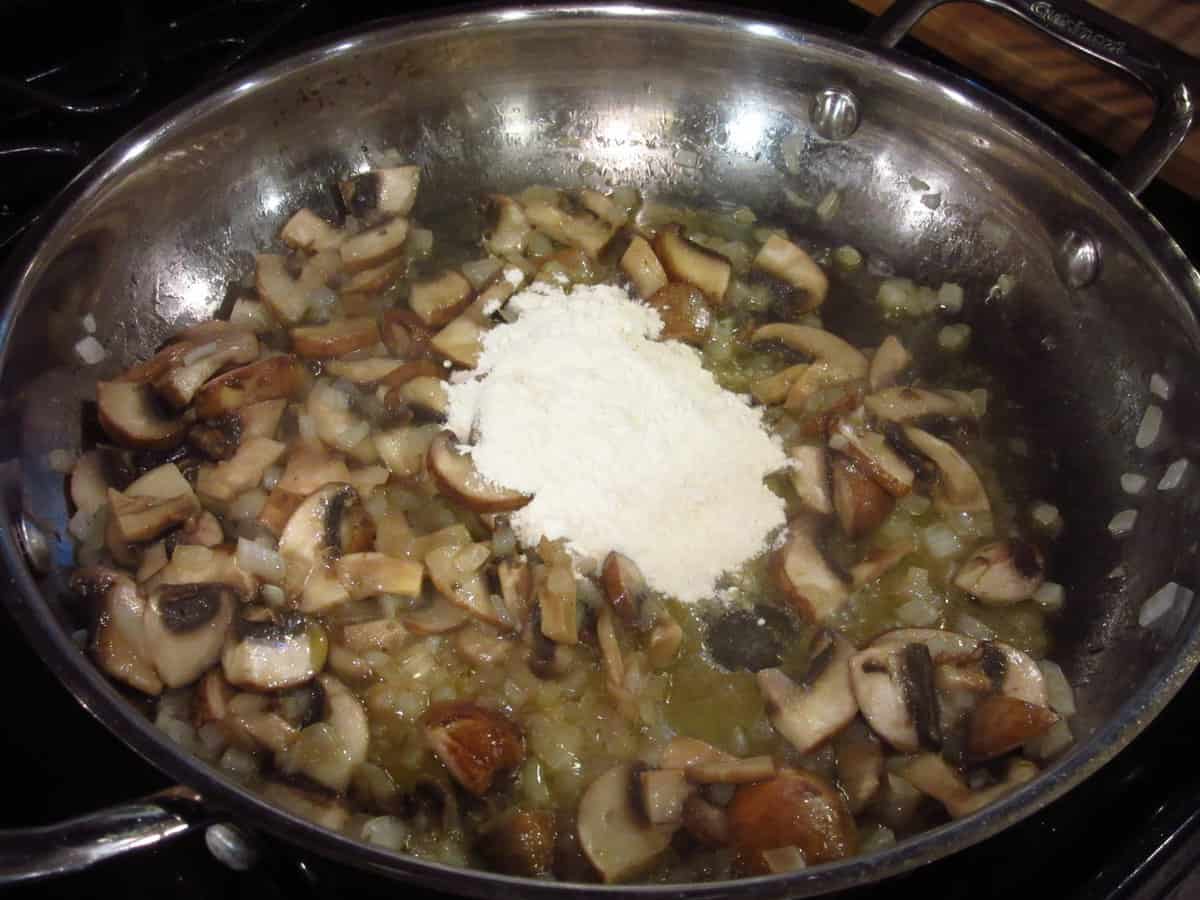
(71, 83)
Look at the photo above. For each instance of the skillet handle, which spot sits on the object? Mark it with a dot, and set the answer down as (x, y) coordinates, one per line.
(27, 854)
(1171, 77)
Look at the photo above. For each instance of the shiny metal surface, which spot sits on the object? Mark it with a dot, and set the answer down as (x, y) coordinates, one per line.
(1171, 77)
(79, 843)
(1079, 257)
(694, 108)
(834, 114)
(230, 846)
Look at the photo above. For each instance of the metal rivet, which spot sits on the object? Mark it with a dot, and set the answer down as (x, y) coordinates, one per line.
(1078, 259)
(230, 847)
(834, 114)
(34, 544)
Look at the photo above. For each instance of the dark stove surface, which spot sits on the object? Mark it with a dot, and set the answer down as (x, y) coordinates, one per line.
(70, 84)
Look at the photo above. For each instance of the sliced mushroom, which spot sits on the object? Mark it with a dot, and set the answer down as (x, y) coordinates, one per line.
(860, 771)
(305, 230)
(329, 751)
(390, 192)
(889, 361)
(210, 702)
(475, 743)
(705, 822)
(461, 340)
(662, 794)
(805, 577)
(783, 259)
(374, 246)
(278, 509)
(821, 393)
(385, 635)
(932, 775)
(326, 811)
(186, 626)
(809, 474)
(666, 637)
(456, 475)
(438, 300)
(521, 842)
(404, 450)
(796, 808)
(404, 335)
(192, 564)
(138, 519)
(426, 395)
(516, 589)
(178, 385)
(775, 388)
(624, 585)
(284, 295)
(406, 372)
(271, 650)
(894, 686)
(909, 404)
(89, 483)
(643, 268)
(684, 312)
(1000, 723)
(846, 361)
(879, 560)
(132, 418)
(959, 488)
(268, 379)
(1003, 573)
(684, 260)
(330, 522)
(244, 470)
(480, 645)
(439, 617)
(119, 640)
(685, 752)
(509, 227)
(613, 833)
(311, 466)
(336, 338)
(582, 230)
(362, 371)
(871, 451)
(808, 715)
(460, 580)
(610, 650)
(369, 574)
(555, 592)
(861, 504)
(732, 771)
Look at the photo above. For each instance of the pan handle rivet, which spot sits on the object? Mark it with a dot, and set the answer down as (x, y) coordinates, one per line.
(1078, 259)
(834, 114)
(230, 846)
(34, 544)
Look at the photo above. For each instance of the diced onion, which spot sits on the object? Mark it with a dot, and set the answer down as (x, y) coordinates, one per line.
(272, 595)
(1147, 432)
(1132, 482)
(80, 525)
(954, 337)
(238, 762)
(829, 206)
(271, 478)
(1059, 693)
(950, 297)
(979, 401)
(306, 426)
(918, 612)
(350, 437)
(89, 325)
(838, 441)
(941, 542)
(1050, 596)
(972, 627)
(264, 562)
(1173, 477)
(1161, 601)
(321, 302)
(247, 505)
(202, 352)
(471, 558)
(386, 831)
(1160, 387)
(1049, 745)
(914, 505)
(847, 258)
(419, 243)
(480, 271)
(744, 216)
(60, 460)
(1122, 523)
(1046, 518)
(90, 350)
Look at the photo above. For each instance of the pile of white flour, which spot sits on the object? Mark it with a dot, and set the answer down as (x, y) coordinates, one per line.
(625, 443)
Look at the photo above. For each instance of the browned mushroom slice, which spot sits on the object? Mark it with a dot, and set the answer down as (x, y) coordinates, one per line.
(684, 260)
(871, 451)
(508, 227)
(662, 794)
(554, 589)
(89, 483)
(824, 346)
(461, 340)
(119, 640)
(456, 475)
(684, 752)
(643, 268)
(733, 771)
(336, 338)
(283, 294)
(438, 300)
(426, 395)
(185, 627)
(613, 833)
(404, 450)
(521, 842)
(879, 560)
(894, 687)
(316, 806)
(362, 371)
(861, 504)
(386, 635)
(329, 751)
(374, 246)
(805, 577)
(624, 585)
(244, 470)
(889, 361)
(959, 488)
(330, 522)
(775, 388)
(267, 379)
(516, 589)
(368, 574)
(860, 771)
(809, 474)
(685, 313)
(456, 572)
(909, 404)
(178, 385)
(582, 230)
(406, 372)
(278, 509)
(154, 503)
(391, 191)
(305, 230)
(311, 466)
(999, 724)
(210, 702)
(932, 775)
(808, 715)
(783, 259)
(666, 637)
(707, 823)
(131, 417)
(272, 650)
(404, 334)
(474, 743)
(795, 809)
(610, 650)
(439, 617)
(1003, 573)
